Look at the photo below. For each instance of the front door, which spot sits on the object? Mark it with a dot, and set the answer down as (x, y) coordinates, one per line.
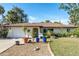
(35, 32)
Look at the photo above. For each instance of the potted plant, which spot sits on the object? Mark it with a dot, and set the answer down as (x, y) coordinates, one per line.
(44, 37)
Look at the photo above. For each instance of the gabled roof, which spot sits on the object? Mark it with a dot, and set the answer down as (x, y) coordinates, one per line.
(54, 25)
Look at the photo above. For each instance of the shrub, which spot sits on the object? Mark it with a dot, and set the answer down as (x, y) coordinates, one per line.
(62, 34)
(76, 32)
(47, 34)
(3, 32)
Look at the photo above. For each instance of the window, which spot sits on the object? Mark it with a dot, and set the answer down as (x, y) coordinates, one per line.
(28, 30)
(51, 30)
(45, 30)
(68, 30)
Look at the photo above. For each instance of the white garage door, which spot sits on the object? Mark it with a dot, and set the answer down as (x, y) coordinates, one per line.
(16, 32)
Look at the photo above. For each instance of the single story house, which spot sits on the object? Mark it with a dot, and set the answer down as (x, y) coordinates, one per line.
(29, 29)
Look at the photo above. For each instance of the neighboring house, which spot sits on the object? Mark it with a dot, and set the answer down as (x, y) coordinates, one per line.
(28, 29)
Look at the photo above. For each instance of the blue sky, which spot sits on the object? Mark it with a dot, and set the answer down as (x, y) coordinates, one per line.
(38, 12)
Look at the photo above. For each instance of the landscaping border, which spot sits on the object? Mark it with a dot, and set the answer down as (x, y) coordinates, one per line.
(50, 50)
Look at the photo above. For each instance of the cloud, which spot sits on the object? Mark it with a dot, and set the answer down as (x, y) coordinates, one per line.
(32, 19)
(64, 21)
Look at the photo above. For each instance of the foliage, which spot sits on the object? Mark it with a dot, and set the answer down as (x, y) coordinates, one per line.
(73, 10)
(35, 33)
(25, 30)
(4, 32)
(76, 32)
(2, 10)
(57, 22)
(16, 15)
(48, 34)
(44, 34)
(47, 21)
(63, 34)
(28, 30)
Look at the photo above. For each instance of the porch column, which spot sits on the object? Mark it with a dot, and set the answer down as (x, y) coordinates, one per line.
(40, 32)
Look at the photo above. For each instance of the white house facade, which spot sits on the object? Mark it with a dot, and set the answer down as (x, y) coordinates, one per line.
(17, 30)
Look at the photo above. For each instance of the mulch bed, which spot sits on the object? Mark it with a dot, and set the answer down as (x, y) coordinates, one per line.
(27, 50)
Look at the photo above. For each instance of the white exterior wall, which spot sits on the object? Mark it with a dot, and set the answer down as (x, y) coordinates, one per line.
(59, 30)
(72, 29)
(16, 32)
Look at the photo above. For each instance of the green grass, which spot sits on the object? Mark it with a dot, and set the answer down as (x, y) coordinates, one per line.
(65, 47)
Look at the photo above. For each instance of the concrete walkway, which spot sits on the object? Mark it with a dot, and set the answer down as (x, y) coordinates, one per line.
(28, 50)
(21, 50)
(5, 44)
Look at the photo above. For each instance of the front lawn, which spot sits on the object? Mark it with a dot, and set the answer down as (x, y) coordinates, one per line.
(65, 46)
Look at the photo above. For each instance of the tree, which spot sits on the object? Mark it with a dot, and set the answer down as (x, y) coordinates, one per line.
(20, 13)
(58, 22)
(47, 21)
(73, 11)
(2, 11)
(16, 15)
(3, 31)
(12, 17)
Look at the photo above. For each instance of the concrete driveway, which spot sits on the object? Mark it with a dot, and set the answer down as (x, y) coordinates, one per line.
(5, 44)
